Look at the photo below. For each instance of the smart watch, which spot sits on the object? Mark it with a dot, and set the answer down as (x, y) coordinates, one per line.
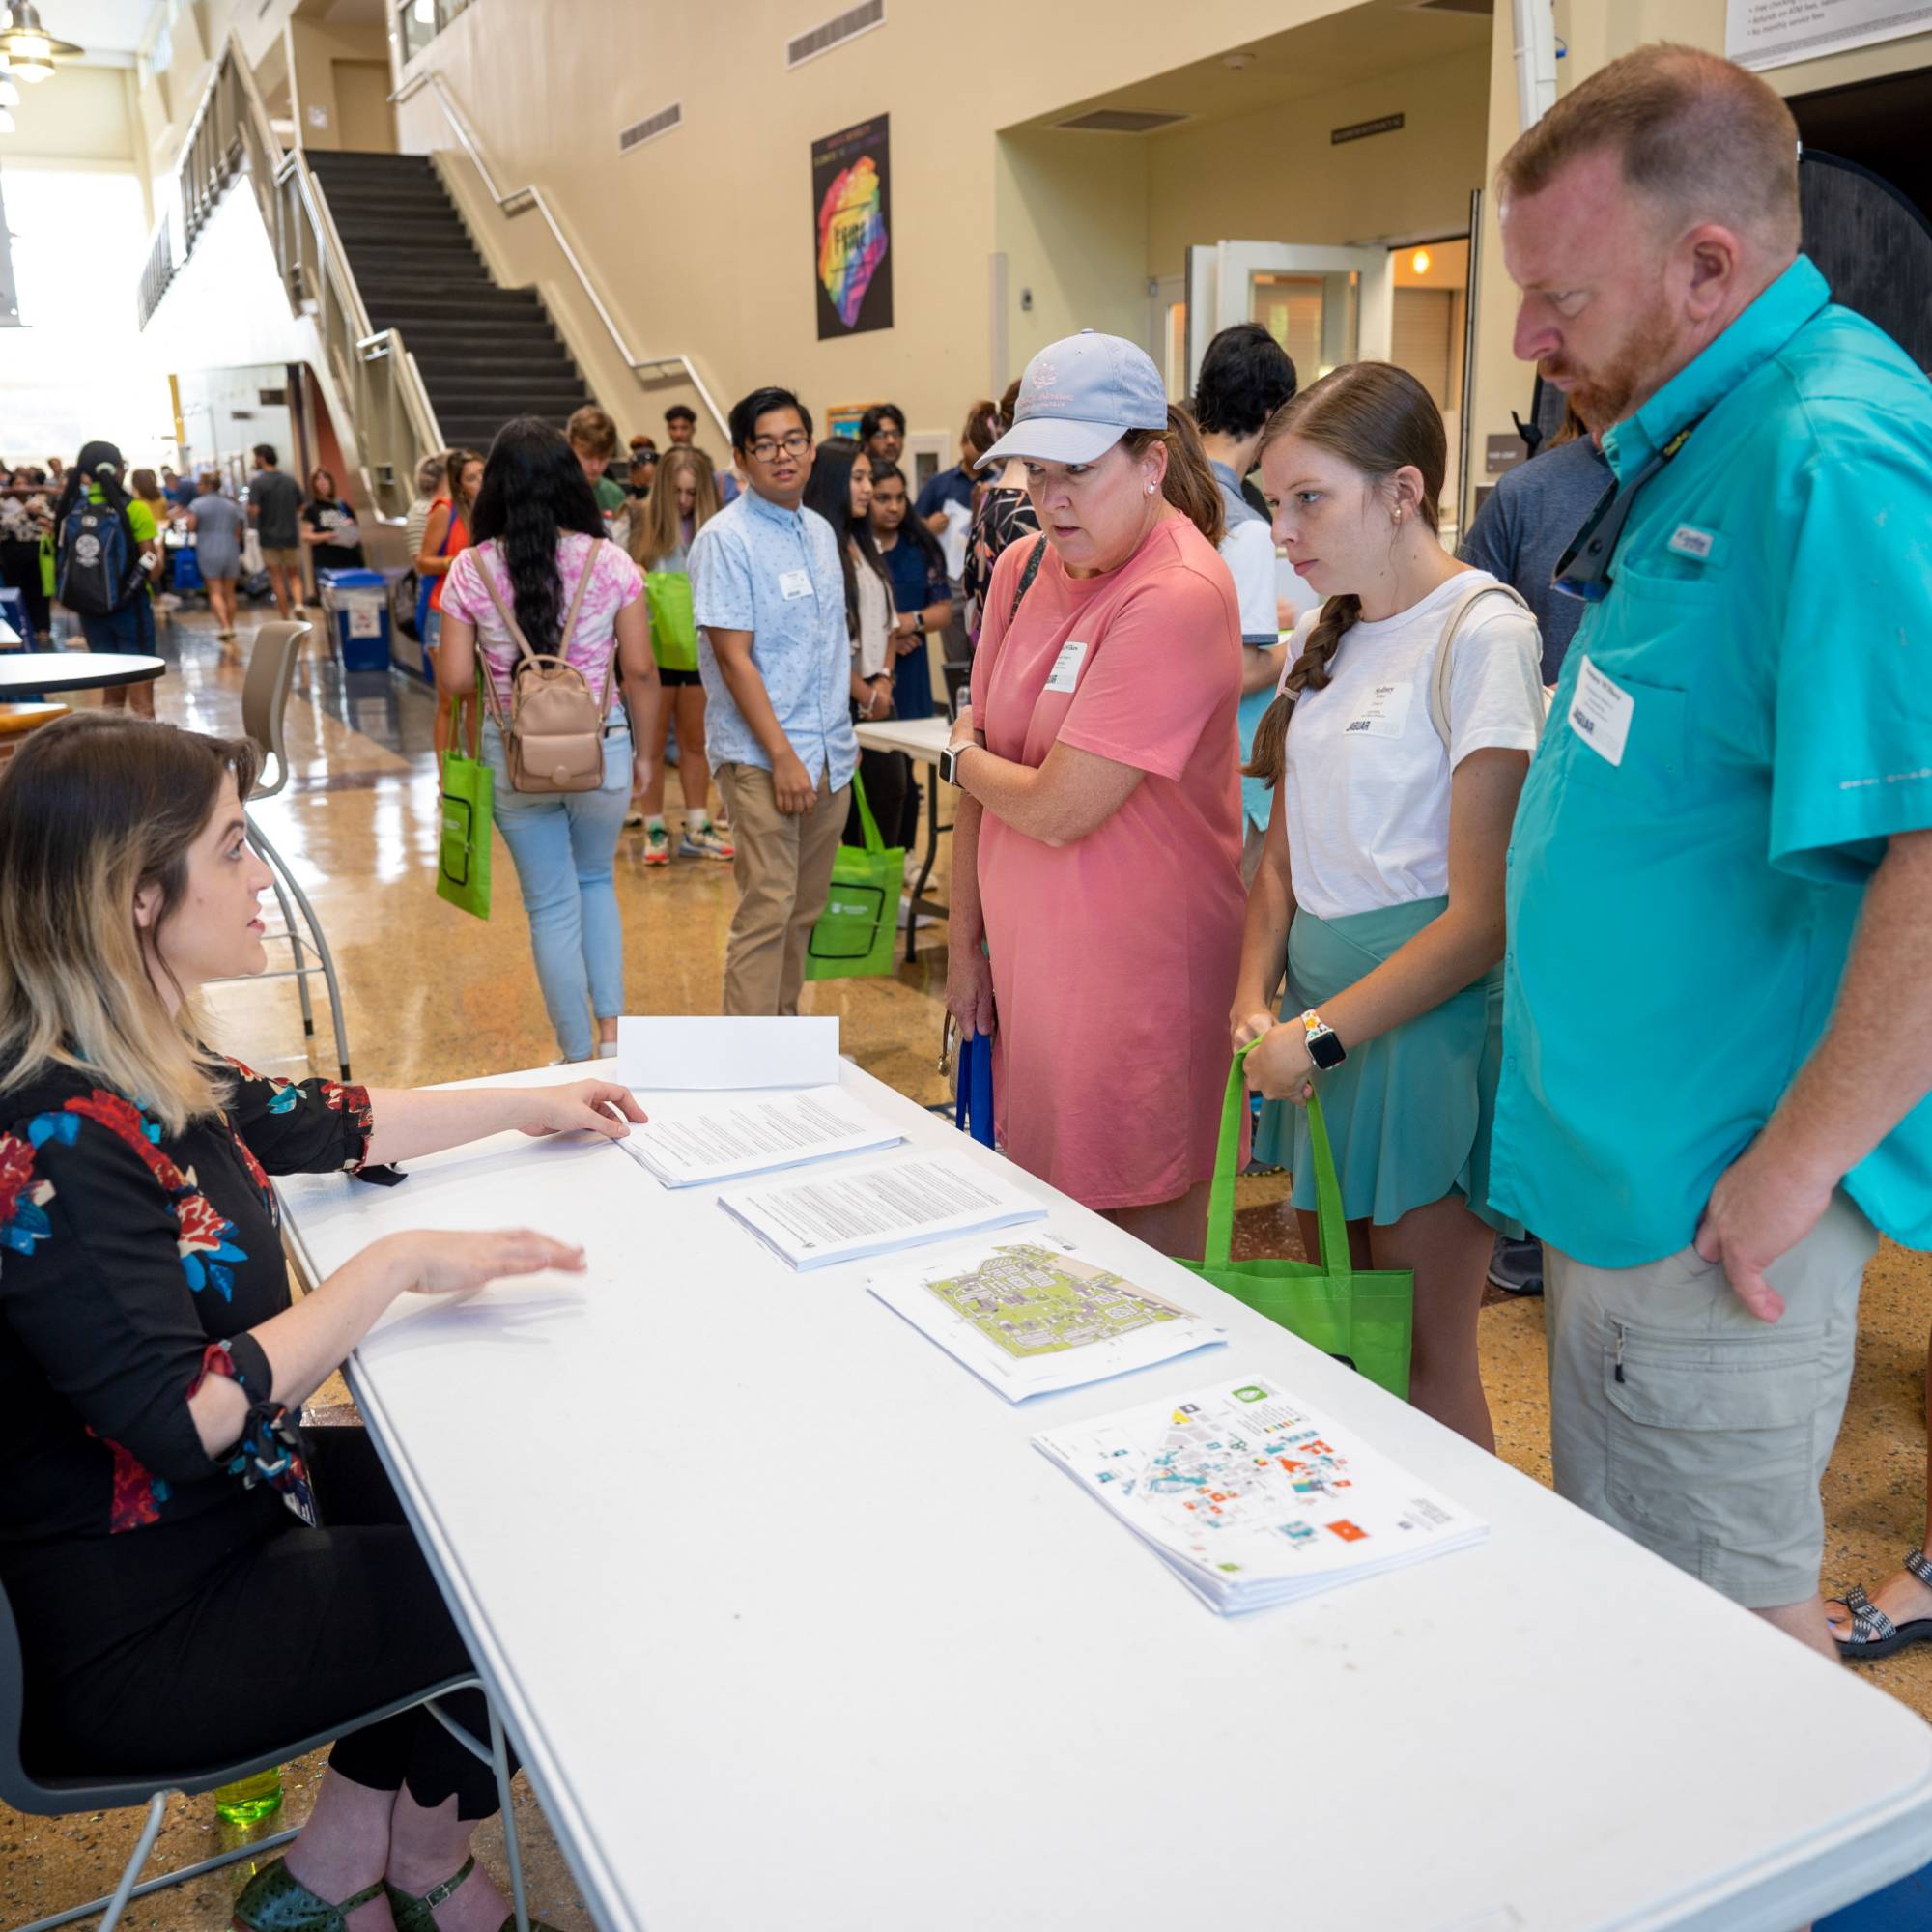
(1324, 1048)
(949, 763)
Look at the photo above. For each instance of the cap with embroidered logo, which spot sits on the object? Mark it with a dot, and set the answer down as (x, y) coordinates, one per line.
(1077, 399)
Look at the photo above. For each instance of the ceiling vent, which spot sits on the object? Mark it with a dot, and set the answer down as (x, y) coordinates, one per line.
(1121, 121)
(829, 34)
(659, 123)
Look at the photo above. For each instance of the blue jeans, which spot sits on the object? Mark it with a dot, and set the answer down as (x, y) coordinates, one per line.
(563, 845)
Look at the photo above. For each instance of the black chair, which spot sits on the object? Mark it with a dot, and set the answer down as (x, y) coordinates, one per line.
(58, 1796)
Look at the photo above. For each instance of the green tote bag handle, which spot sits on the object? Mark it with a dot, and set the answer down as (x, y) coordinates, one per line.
(1333, 1222)
(868, 824)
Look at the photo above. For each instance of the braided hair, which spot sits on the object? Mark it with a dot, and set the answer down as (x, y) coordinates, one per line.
(1379, 419)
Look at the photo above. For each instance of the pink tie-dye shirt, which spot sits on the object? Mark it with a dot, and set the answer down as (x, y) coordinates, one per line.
(614, 583)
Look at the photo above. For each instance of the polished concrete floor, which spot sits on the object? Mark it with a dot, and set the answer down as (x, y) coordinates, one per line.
(432, 994)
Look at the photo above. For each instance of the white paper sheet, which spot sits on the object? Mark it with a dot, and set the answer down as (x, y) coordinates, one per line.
(692, 1138)
(1036, 1312)
(1253, 1498)
(661, 1053)
(879, 1208)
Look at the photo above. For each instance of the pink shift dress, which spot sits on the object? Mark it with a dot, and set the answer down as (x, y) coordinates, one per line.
(1114, 957)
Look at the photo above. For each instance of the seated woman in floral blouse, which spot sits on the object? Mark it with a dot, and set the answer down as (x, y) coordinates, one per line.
(195, 1578)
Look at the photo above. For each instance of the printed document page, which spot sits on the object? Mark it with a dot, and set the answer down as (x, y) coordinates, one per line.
(1036, 1312)
(901, 1203)
(692, 1138)
(1254, 1498)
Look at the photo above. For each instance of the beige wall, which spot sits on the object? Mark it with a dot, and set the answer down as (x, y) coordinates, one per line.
(85, 115)
(1275, 176)
(318, 57)
(364, 120)
(1596, 34)
(702, 239)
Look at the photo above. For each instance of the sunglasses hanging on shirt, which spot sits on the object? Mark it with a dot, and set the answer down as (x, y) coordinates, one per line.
(1584, 569)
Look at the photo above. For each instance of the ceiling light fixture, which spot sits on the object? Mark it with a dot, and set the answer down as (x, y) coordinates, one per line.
(1419, 261)
(29, 50)
(9, 94)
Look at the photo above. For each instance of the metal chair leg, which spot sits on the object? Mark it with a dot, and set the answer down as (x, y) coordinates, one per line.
(512, 1851)
(317, 943)
(293, 937)
(158, 1807)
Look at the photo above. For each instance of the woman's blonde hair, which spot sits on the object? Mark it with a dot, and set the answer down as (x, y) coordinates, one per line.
(654, 530)
(94, 810)
(1378, 419)
(1190, 484)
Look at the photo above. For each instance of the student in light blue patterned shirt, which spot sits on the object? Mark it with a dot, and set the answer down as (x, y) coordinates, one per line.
(769, 597)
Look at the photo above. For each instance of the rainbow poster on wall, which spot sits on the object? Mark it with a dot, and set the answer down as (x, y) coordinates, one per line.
(851, 214)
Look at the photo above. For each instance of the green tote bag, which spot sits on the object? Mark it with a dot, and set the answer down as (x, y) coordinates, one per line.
(1364, 1319)
(469, 793)
(856, 934)
(673, 628)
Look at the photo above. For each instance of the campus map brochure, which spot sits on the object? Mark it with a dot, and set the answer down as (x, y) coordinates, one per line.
(1253, 1498)
(901, 1203)
(692, 1139)
(1035, 1312)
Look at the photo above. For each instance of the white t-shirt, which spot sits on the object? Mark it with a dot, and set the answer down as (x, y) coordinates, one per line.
(872, 647)
(1365, 793)
(1248, 551)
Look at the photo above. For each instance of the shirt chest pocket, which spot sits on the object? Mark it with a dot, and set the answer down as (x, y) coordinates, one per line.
(1626, 717)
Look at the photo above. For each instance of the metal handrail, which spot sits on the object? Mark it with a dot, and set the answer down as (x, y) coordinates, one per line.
(372, 371)
(515, 202)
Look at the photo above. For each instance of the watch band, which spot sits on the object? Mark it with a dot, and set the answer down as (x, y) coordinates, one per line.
(1324, 1048)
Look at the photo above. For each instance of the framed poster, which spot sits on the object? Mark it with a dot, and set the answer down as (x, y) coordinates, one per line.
(851, 229)
(844, 418)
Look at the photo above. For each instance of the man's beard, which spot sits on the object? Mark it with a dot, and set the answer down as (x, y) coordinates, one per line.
(1605, 396)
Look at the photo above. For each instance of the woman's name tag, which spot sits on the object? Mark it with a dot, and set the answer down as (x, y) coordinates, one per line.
(1383, 712)
(1065, 672)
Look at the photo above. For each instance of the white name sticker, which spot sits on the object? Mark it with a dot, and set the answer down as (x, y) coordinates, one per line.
(1383, 713)
(795, 583)
(1065, 672)
(1601, 713)
(1687, 540)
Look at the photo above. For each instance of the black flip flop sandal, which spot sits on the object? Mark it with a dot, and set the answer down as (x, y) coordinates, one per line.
(1874, 1635)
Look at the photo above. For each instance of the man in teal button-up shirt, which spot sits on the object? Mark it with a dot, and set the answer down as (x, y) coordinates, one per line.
(1718, 1031)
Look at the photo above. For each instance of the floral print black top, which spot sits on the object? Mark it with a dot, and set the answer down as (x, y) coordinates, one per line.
(127, 1258)
(1003, 516)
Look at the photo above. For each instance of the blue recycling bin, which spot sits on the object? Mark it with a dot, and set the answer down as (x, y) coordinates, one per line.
(359, 602)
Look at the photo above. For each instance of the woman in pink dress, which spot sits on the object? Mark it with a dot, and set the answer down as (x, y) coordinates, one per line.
(1096, 848)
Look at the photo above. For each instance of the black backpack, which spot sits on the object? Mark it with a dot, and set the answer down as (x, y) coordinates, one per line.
(100, 566)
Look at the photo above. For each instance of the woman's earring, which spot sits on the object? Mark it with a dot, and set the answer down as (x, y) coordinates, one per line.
(1150, 488)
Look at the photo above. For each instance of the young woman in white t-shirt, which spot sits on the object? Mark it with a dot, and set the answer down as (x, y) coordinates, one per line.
(1380, 887)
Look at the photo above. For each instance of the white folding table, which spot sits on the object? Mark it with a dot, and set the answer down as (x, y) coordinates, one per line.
(794, 1627)
(922, 740)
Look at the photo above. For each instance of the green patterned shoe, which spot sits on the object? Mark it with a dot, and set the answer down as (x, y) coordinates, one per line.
(414, 1913)
(275, 1900)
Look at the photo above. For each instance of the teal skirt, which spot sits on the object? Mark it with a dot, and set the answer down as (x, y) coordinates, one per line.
(1410, 1115)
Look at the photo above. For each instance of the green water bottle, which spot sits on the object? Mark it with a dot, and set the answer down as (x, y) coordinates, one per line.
(249, 1800)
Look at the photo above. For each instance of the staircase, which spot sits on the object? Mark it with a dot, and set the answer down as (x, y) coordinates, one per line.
(485, 354)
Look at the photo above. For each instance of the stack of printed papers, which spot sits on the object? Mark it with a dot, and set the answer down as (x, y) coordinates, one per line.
(1253, 1499)
(1037, 1313)
(852, 1212)
(695, 1139)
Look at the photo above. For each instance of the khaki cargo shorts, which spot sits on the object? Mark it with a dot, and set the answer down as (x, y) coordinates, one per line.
(1702, 1433)
(276, 559)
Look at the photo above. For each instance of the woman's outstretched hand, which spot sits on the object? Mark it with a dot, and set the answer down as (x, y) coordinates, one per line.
(602, 1106)
(454, 1260)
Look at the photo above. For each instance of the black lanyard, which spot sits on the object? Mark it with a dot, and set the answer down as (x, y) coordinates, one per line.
(1584, 569)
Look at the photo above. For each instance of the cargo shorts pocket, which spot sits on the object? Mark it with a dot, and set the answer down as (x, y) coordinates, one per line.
(1709, 1455)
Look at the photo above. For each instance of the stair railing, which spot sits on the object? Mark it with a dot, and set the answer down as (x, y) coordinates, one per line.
(378, 386)
(519, 201)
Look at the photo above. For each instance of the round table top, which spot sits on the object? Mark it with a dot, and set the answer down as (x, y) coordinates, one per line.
(73, 671)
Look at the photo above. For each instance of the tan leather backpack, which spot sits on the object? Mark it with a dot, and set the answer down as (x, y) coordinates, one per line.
(553, 736)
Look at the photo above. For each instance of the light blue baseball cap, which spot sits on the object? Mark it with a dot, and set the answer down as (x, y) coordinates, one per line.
(1077, 399)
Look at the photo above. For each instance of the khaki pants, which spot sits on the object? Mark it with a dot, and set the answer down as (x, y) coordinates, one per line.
(783, 869)
(1681, 1419)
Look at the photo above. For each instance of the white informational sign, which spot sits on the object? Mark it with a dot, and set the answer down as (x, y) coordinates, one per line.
(1775, 33)
(365, 623)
